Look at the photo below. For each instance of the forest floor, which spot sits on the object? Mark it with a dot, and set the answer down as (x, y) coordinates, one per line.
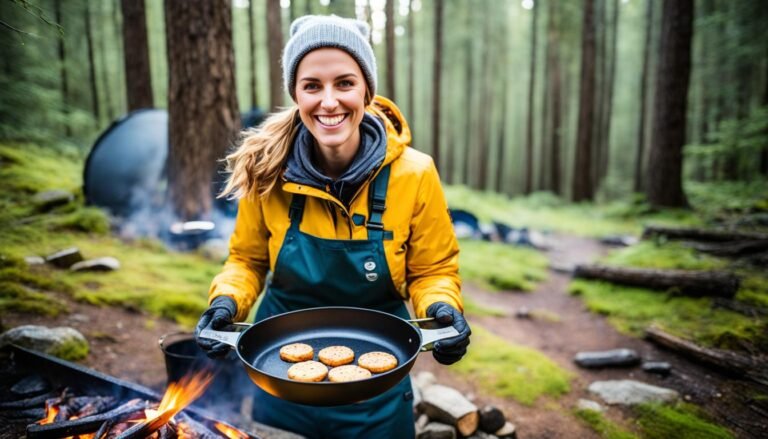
(124, 344)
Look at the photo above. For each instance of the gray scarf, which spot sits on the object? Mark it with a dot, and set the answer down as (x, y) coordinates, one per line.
(302, 168)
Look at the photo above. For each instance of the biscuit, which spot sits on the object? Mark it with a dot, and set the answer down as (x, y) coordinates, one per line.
(336, 355)
(296, 352)
(377, 362)
(346, 373)
(308, 371)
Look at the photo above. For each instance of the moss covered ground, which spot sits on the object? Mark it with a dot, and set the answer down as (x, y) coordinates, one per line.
(603, 426)
(498, 266)
(683, 421)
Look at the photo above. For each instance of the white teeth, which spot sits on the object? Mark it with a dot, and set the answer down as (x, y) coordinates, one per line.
(334, 120)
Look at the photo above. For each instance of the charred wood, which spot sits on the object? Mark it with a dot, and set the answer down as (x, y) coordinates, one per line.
(692, 283)
(192, 429)
(749, 367)
(145, 429)
(26, 403)
(702, 234)
(31, 386)
(34, 413)
(133, 409)
(491, 419)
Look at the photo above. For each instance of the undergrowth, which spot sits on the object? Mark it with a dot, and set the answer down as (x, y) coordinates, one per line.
(497, 266)
(683, 421)
(604, 427)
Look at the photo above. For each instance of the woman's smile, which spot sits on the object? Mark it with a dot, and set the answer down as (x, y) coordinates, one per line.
(331, 121)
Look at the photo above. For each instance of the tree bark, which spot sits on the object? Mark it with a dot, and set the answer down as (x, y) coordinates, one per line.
(528, 185)
(138, 77)
(202, 100)
(608, 92)
(105, 77)
(436, 75)
(91, 65)
(275, 46)
(62, 49)
(640, 155)
(389, 33)
(554, 80)
(252, 51)
(582, 188)
(691, 283)
(665, 161)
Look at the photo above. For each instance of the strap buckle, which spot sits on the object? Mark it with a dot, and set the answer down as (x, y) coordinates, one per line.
(378, 205)
(375, 226)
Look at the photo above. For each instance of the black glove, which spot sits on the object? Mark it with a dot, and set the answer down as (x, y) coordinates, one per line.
(220, 314)
(450, 350)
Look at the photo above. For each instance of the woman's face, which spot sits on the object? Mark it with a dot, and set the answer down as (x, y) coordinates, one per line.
(330, 92)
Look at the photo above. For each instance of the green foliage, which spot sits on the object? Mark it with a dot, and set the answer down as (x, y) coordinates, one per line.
(602, 426)
(683, 421)
(716, 199)
(671, 255)
(471, 307)
(19, 298)
(501, 266)
(508, 370)
(84, 219)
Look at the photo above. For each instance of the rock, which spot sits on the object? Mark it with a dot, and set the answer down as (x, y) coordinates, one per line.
(523, 313)
(106, 263)
(588, 404)
(421, 422)
(481, 435)
(612, 358)
(34, 260)
(65, 258)
(619, 240)
(424, 379)
(658, 367)
(562, 267)
(630, 392)
(31, 386)
(47, 200)
(508, 431)
(436, 430)
(491, 419)
(62, 342)
(214, 250)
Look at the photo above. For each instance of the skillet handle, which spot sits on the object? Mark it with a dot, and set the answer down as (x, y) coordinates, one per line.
(430, 336)
(229, 338)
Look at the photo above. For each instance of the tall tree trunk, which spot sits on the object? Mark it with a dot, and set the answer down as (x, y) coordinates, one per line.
(764, 103)
(469, 90)
(436, 73)
(252, 51)
(105, 76)
(484, 123)
(275, 46)
(63, 71)
(640, 152)
(528, 185)
(138, 77)
(665, 161)
(600, 73)
(608, 91)
(582, 172)
(202, 100)
(544, 146)
(554, 84)
(389, 31)
(91, 65)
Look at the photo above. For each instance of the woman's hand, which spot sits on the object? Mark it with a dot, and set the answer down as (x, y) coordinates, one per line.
(220, 314)
(450, 350)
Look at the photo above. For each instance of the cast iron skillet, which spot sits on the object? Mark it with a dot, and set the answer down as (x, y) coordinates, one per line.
(362, 330)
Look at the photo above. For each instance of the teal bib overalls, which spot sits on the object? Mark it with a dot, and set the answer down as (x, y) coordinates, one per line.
(312, 272)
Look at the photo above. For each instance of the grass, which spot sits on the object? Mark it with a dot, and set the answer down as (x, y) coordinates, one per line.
(496, 266)
(670, 255)
(604, 427)
(471, 307)
(681, 421)
(509, 370)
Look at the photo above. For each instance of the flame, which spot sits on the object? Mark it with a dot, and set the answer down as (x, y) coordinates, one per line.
(50, 414)
(181, 394)
(231, 432)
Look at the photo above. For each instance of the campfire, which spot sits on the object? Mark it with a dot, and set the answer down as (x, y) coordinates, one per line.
(99, 417)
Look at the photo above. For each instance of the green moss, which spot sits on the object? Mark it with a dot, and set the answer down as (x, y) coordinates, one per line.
(509, 370)
(602, 426)
(33, 280)
(672, 255)
(501, 266)
(84, 219)
(34, 168)
(71, 350)
(682, 421)
(15, 297)
(471, 307)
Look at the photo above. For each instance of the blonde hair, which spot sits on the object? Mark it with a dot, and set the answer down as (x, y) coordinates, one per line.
(257, 163)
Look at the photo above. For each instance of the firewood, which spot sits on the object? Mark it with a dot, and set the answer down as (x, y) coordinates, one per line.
(508, 431)
(693, 283)
(491, 419)
(26, 403)
(192, 429)
(90, 424)
(702, 234)
(449, 406)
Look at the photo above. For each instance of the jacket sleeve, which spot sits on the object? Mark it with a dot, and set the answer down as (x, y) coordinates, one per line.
(432, 261)
(242, 277)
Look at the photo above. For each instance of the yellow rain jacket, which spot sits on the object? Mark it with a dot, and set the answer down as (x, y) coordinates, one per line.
(422, 254)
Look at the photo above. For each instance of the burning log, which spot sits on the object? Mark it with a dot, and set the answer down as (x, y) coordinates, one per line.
(694, 283)
(144, 429)
(133, 409)
(447, 405)
(191, 429)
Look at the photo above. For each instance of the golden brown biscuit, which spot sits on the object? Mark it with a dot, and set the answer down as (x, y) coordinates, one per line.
(336, 355)
(308, 371)
(346, 373)
(377, 362)
(296, 352)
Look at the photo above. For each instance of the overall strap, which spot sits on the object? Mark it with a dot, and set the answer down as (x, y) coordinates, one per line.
(378, 199)
(296, 211)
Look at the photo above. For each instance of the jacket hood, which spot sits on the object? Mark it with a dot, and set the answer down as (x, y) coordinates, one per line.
(398, 131)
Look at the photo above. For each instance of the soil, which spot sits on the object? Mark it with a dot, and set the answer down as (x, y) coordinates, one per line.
(124, 344)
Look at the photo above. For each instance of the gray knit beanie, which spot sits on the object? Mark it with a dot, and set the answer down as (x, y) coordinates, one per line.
(312, 32)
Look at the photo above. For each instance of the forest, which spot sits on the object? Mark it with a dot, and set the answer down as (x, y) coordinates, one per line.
(605, 163)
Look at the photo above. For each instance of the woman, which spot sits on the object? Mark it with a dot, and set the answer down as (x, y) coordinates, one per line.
(343, 212)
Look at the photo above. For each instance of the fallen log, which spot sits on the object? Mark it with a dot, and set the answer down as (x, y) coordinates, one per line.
(701, 234)
(730, 362)
(449, 406)
(732, 248)
(739, 307)
(691, 283)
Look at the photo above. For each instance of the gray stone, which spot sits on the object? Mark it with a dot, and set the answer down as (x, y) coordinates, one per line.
(65, 258)
(63, 342)
(588, 404)
(658, 367)
(47, 200)
(523, 313)
(424, 379)
(106, 263)
(508, 431)
(34, 260)
(214, 250)
(612, 358)
(630, 392)
(436, 430)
